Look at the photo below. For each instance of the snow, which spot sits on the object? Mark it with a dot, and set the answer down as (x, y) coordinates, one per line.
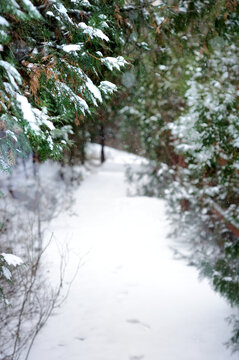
(14, 3)
(93, 89)
(159, 20)
(163, 67)
(131, 299)
(11, 71)
(3, 21)
(12, 259)
(9, 132)
(82, 2)
(6, 273)
(50, 13)
(93, 32)
(3, 35)
(114, 62)
(9, 88)
(32, 9)
(72, 47)
(27, 112)
(77, 100)
(107, 87)
(62, 10)
(43, 118)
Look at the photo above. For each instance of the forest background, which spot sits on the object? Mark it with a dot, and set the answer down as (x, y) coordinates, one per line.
(174, 68)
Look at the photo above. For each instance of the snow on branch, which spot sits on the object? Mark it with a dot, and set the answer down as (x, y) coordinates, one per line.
(114, 62)
(107, 87)
(33, 12)
(93, 32)
(12, 260)
(7, 260)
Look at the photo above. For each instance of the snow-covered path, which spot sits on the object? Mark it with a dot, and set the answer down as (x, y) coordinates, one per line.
(130, 300)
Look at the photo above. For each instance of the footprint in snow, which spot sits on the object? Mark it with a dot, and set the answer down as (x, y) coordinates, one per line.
(117, 269)
(71, 213)
(80, 338)
(136, 357)
(136, 321)
(125, 292)
(132, 284)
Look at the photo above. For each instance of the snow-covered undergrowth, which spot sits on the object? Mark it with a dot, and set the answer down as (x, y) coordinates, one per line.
(32, 195)
(196, 241)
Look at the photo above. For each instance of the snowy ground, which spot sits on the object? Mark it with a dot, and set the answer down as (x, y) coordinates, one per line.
(130, 300)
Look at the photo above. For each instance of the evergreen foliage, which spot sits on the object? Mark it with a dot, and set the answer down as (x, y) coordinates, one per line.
(54, 61)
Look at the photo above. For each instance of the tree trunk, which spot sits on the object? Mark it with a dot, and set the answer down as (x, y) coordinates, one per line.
(102, 142)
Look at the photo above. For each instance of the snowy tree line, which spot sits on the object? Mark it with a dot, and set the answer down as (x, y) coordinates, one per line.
(184, 105)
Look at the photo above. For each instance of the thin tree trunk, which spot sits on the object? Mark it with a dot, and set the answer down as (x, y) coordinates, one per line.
(102, 142)
(35, 162)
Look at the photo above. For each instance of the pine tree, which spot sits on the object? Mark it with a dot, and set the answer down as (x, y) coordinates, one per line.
(53, 60)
